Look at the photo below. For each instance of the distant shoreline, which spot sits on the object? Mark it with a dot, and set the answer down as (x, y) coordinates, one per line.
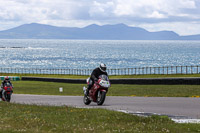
(92, 32)
(12, 47)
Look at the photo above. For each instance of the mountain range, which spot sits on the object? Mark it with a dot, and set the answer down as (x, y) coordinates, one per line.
(91, 32)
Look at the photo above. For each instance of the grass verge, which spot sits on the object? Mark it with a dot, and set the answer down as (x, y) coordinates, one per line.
(32, 118)
(52, 88)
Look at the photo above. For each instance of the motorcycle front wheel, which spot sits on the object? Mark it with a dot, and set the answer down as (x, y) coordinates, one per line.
(7, 97)
(101, 97)
(86, 100)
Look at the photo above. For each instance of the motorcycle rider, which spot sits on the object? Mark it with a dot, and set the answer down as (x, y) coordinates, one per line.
(95, 75)
(6, 80)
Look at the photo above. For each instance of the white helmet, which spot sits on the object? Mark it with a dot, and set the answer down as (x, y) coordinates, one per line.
(102, 67)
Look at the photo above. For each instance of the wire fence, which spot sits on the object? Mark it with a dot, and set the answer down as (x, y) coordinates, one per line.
(165, 70)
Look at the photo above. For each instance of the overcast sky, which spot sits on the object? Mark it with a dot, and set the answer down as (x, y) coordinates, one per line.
(181, 16)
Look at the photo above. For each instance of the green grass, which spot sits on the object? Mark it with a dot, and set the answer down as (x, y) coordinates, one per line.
(46, 88)
(52, 88)
(156, 90)
(17, 118)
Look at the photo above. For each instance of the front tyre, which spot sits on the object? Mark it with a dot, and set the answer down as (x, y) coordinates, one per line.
(101, 97)
(8, 97)
(86, 100)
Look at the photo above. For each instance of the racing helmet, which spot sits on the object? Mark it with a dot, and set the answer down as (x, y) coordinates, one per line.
(102, 67)
(6, 78)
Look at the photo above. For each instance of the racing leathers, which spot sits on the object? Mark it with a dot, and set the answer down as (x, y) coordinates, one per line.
(2, 85)
(94, 77)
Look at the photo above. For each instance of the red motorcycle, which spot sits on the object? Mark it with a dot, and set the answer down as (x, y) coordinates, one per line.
(98, 91)
(7, 92)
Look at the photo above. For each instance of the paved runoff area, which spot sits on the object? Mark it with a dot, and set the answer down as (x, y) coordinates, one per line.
(179, 109)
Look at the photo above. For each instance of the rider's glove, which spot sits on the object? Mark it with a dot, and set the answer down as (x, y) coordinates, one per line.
(95, 79)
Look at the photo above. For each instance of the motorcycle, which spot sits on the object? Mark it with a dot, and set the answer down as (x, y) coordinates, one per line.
(7, 92)
(98, 91)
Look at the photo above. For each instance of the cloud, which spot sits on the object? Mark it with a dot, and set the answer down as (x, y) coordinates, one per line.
(156, 14)
(170, 13)
(101, 10)
(37, 9)
(84, 12)
(147, 8)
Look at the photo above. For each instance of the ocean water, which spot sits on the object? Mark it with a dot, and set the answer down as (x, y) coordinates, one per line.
(88, 54)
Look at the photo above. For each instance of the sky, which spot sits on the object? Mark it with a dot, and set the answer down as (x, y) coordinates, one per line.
(180, 16)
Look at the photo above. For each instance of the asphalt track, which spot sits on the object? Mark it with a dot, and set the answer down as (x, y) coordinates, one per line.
(174, 107)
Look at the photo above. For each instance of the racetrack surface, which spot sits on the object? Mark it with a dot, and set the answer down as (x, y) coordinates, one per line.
(174, 107)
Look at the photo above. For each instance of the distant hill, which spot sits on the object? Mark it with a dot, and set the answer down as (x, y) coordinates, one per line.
(93, 32)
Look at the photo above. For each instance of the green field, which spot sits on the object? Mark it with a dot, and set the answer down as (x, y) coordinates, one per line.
(17, 118)
(52, 88)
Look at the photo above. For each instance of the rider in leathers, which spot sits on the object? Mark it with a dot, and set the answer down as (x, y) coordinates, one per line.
(95, 75)
(6, 80)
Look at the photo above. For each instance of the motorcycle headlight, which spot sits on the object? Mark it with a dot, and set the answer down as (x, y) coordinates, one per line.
(105, 84)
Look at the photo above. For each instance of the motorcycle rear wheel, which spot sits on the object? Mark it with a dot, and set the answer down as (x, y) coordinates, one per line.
(101, 97)
(86, 100)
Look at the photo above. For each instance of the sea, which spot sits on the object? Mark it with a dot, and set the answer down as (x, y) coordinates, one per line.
(88, 54)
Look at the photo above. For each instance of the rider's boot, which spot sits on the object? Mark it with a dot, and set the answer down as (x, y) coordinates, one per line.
(87, 92)
(88, 89)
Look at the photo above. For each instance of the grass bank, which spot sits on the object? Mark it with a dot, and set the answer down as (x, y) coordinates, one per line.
(32, 118)
(52, 88)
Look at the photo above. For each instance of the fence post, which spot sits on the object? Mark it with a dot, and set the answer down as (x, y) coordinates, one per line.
(167, 70)
(163, 70)
(181, 69)
(138, 71)
(191, 70)
(150, 70)
(171, 69)
(146, 68)
(186, 69)
(143, 70)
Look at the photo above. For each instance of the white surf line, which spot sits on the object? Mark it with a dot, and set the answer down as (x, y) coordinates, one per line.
(177, 119)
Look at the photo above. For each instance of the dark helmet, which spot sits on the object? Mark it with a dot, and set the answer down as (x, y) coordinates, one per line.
(102, 67)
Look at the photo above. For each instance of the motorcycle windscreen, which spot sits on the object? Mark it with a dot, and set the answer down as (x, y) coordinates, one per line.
(103, 77)
(104, 82)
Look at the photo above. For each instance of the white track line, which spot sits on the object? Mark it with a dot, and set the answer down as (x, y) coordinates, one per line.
(177, 119)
